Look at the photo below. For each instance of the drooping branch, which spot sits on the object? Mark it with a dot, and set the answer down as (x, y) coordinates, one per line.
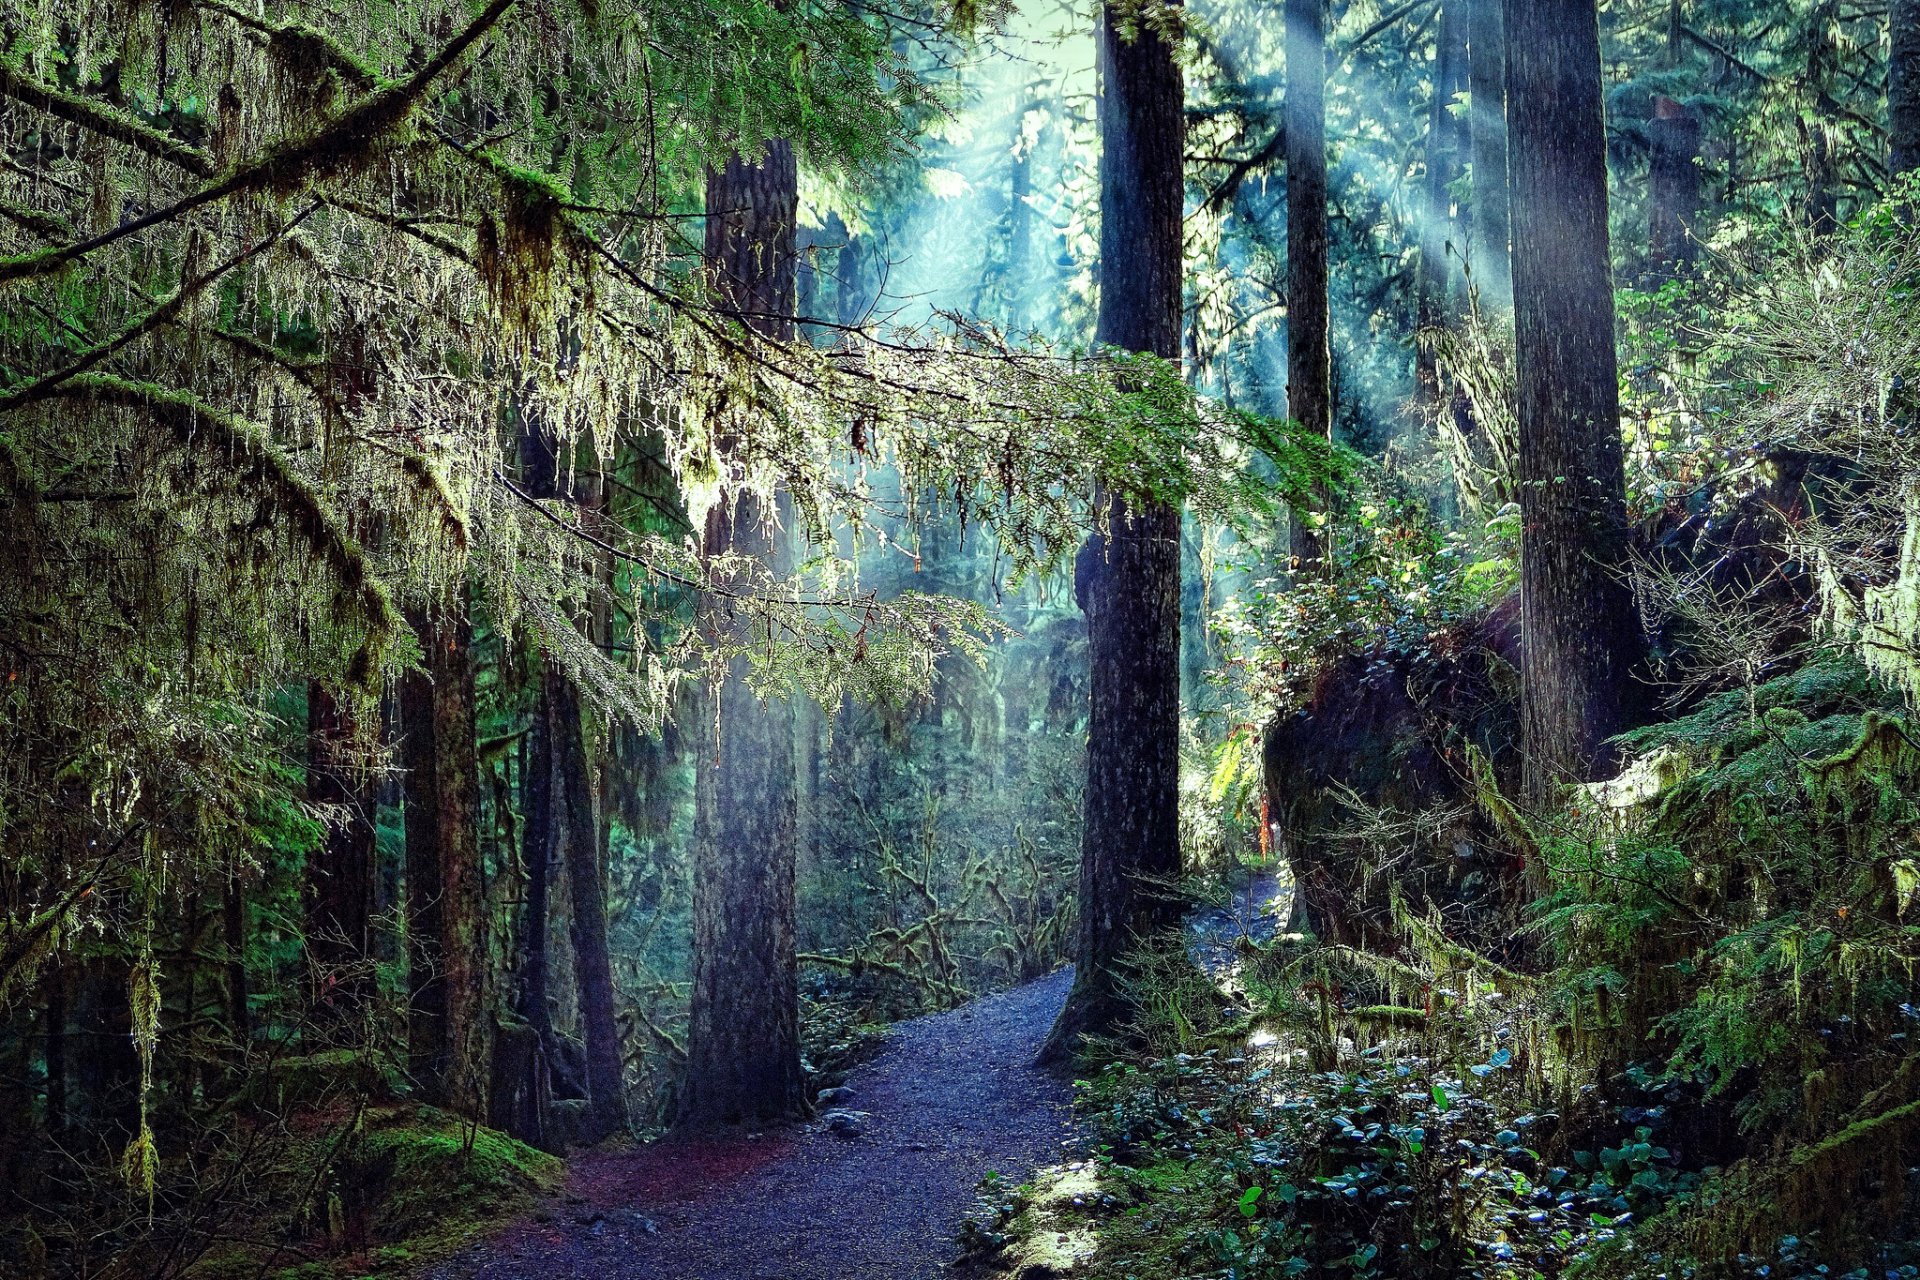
(1387, 20)
(42, 387)
(1230, 185)
(108, 122)
(252, 458)
(340, 144)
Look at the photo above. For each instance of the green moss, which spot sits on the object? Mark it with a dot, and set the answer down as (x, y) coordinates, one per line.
(437, 1167)
(416, 1183)
(1831, 684)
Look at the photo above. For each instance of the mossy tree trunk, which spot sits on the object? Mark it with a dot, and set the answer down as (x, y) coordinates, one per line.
(743, 1041)
(537, 840)
(1128, 580)
(465, 953)
(1580, 635)
(1820, 125)
(450, 1024)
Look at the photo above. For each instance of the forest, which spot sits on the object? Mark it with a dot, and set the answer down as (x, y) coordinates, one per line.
(996, 639)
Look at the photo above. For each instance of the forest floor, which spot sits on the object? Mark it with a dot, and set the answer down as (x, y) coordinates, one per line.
(949, 1099)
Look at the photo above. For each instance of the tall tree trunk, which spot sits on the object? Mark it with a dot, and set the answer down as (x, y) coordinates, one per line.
(586, 879)
(1580, 635)
(1903, 87)
(1439, 237)
(1309, 352)
(1487, 91)
(1673, 188)
(743, 1040)
(1822, 129)
(523, 1052)
(522, 1085)
(537, 840)
(426, 979)
(233, 939)
(1129, 580)
(1019, 278)
(464, 953)
(340, 870)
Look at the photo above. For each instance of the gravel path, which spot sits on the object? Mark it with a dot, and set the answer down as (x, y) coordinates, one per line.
(948, 1099)
(1256, 911)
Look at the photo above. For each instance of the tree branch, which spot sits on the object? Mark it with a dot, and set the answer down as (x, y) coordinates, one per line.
(291, 165)
(107, 121)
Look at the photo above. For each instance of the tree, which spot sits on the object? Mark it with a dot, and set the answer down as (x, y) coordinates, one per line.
(1446, 155)
(1820, 125)
(1487, 120)
(1579, 632)
(426, 981)
(450, 1014)
(1128, 579)
(340, 872)
(1903, 87)
(743, 1041)
(1673, 186)
(464, 955)
(1309, 357)
(563, 802)
(586, 857)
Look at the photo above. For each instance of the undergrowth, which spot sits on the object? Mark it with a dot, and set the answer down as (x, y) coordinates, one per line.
(1704, 1066)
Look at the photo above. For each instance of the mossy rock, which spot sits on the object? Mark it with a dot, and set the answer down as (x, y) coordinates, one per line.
(411, 1185)
(315, 1078)
(432, 1168)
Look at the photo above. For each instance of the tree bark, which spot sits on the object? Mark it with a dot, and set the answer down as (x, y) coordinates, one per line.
(233, 937)
(464, 954)
(537, 839)
(586, 879)
(1903, 87)
(522, 1087)
(426, 980)
(1128, 580)
(743, 1040)
(1673, 188)
(105, 1071)
(524, 1050)
(1487, 91)
(1309, 351)
(340, 870)
(1580, 635)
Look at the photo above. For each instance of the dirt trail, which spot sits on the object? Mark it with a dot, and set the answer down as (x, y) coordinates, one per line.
(950, 1098)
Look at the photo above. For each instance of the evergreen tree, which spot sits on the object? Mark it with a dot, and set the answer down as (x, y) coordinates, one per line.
(1903, 87)
(743, 1045)
(1128, 579)
(1487, 122)
(1580, 634)
(1309, 357)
